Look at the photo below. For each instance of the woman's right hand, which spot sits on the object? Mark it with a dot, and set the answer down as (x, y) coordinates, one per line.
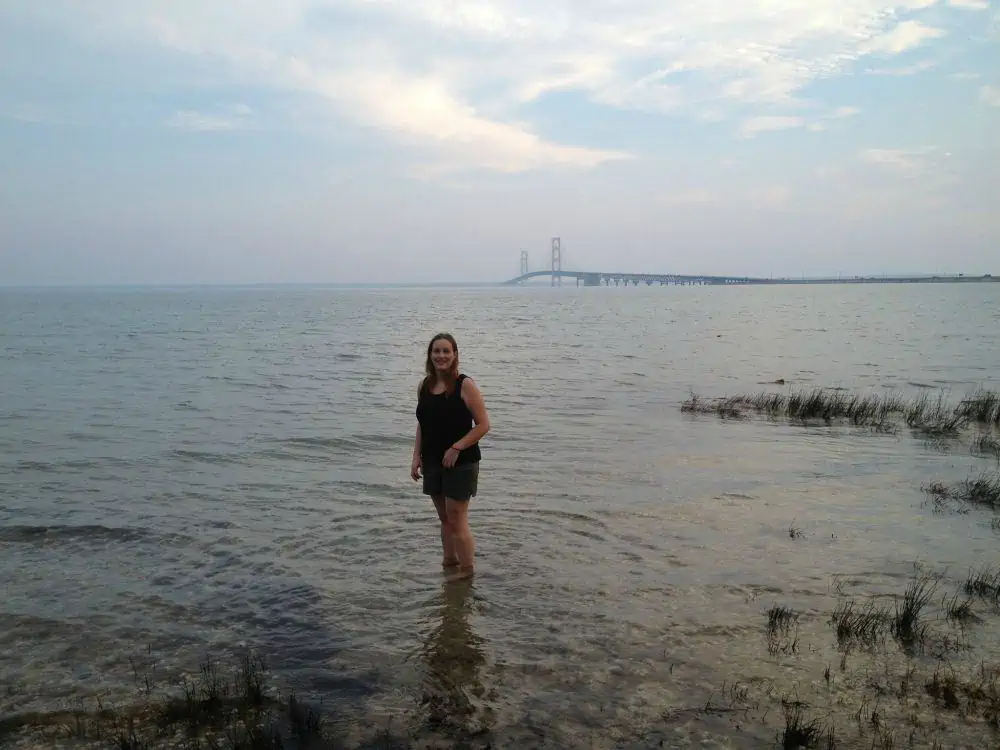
(415, 469)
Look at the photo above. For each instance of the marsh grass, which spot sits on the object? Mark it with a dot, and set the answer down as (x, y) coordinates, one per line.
(924, 688)
(977, 697)
(799, 733)
(215, 709)
(986, 444)
(869, 625)
(958, 608)
(780, 635)
(865, 626)
(982, 491)
(930, 418)
(982, 406)
(907, 625)
(984, 584)
(916, 630)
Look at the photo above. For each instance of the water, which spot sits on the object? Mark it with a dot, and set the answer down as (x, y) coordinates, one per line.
(187, 470)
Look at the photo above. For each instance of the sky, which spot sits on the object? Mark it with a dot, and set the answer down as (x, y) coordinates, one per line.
(371, 141)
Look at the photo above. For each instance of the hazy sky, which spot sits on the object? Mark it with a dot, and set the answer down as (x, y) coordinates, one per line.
(172, 141)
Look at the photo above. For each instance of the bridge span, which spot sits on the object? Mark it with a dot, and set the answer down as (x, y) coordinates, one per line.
(598, 278)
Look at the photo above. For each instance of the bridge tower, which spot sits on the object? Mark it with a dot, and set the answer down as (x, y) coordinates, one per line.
(556, 261)
(524, 262)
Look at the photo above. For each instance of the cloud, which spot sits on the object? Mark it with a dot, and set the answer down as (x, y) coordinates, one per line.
(990, 96)
(422, 111)
(453, 80)
(906, 36)
(842, 112)
(766, 123)
(906, 70)
(906, 162)
(970, 4)
(199, 122)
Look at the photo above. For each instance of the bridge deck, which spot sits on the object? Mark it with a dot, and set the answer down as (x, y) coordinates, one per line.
(597, 278)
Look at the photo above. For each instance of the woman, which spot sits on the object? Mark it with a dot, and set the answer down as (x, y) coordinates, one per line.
(451, 419)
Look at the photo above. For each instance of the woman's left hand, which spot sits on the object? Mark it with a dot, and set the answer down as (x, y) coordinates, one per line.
(450, 457)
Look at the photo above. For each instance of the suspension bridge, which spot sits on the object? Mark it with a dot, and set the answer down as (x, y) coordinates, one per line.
(606, 278)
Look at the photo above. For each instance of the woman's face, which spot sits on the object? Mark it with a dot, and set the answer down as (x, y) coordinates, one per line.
(442, 355)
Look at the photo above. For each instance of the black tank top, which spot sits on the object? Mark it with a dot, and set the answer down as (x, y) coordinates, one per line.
(444, 420)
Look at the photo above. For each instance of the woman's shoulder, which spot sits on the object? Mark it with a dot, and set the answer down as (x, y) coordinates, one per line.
(465, 381)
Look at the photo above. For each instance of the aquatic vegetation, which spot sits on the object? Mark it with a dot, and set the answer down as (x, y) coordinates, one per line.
(869, 624)
(983, 407)
(779, 624)
(984, 584)
(883, 412)
(212, 710)
(865, 625)
(977, 697)
(982, 490)
(799, 733)
(959, 608)
(906, 623)
(987, 445)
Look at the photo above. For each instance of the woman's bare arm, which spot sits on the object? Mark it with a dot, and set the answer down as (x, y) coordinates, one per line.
(473, 398)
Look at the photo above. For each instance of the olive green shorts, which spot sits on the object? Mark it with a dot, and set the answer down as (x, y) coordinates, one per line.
(458, 483)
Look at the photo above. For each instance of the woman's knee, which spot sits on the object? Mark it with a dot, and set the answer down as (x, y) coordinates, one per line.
(458, 514)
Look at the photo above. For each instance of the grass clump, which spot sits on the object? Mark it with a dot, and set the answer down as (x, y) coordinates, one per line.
(780, 638)
(983, 407)
(934, 419)
(868, 625)
(865, 626)
(958, 608)
(984, 584)
(780, 619)
(982, 490)
(799, 733)
(907, 625)
(987, 445)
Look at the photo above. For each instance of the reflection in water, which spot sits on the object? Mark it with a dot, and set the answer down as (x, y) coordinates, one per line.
(454, 656)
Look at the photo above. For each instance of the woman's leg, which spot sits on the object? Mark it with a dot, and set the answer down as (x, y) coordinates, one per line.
(447, 535)
(465, 545)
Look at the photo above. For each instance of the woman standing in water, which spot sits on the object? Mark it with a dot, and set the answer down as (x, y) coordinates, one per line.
(451, 419)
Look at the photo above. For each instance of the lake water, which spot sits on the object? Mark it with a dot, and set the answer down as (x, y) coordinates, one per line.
(186, 470)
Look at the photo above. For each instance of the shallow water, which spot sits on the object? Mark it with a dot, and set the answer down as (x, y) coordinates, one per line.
(192, 469)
